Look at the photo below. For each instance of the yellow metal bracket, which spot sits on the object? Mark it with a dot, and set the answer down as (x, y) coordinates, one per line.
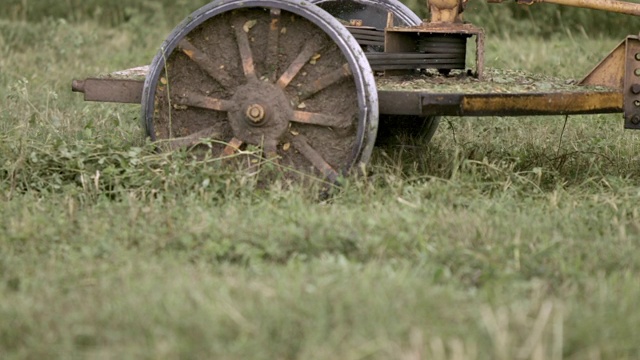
(620, 70)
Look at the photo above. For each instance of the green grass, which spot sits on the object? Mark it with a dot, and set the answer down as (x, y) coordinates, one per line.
(507, 18)
(498, 240)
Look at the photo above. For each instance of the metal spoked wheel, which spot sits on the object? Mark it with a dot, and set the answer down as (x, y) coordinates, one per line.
(279, 75)
(373, 13)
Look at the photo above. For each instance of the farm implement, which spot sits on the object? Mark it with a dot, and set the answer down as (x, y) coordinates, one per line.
(310, 83)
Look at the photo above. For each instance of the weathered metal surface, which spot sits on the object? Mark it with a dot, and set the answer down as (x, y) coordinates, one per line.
(324, 82)
(242, 27)
(372, 12)
(610, 71)
(620, 70)
(206, 64)
(400, 102)
(271, 61)
(110, 90)
(496, 81)
(631, 86)
(407, 39)
(311, 52)
(379, 15)
(622, 7)
(135, 73)
(302, 145)
(423, 103)
(194, 99)
(480, 54)
(445, 11)
(192, 139)
(412, 61)
(562, 103)
(367, 36)
(310, 48)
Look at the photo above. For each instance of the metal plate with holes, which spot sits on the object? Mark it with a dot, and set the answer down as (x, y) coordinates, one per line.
(631, 85)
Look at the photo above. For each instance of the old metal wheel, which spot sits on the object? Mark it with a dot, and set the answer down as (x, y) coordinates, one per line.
(277, 75)
(373, 13)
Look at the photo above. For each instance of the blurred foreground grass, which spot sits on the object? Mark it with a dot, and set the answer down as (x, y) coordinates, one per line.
(495, 241)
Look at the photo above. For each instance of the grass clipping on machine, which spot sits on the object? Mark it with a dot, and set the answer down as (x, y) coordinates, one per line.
(495, 81)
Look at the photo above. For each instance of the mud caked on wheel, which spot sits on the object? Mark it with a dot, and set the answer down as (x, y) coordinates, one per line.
(282, 76)
(373, 13)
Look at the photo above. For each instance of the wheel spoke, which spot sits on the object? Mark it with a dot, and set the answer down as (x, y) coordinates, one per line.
(305, 117)
(205, 63)
(242, 28)
(270, 149)
(284, 85)
(193, 139)
(325, 81)
(308, 50)
(271, 63)
(302, 145)
(193, 99)
(233, 146)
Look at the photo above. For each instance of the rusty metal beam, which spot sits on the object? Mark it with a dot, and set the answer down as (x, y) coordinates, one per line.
(416, 102)
(622, 7)
(110, 90)
(562, 103)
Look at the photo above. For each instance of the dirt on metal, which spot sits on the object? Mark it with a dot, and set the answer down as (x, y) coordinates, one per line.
(496, 81)
(217, 40)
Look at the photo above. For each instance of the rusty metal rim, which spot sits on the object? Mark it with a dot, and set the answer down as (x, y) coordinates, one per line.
(399, 10)
(362, 73)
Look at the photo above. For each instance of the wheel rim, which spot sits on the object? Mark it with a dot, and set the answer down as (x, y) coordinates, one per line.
(243, 73)
(372, 12)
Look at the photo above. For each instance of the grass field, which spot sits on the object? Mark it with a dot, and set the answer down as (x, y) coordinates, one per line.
(498, 240)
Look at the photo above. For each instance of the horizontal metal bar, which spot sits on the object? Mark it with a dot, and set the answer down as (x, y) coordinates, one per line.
(110, 90)
(449, 60)
(562, 103)
(406, 56)
(398, 102)
(369, 31)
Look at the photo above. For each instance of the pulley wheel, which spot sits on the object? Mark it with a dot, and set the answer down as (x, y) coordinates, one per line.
(277, 75)
(373, 13)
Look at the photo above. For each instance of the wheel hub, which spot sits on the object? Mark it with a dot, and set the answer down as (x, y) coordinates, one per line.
(263, 113)
(255, 114)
